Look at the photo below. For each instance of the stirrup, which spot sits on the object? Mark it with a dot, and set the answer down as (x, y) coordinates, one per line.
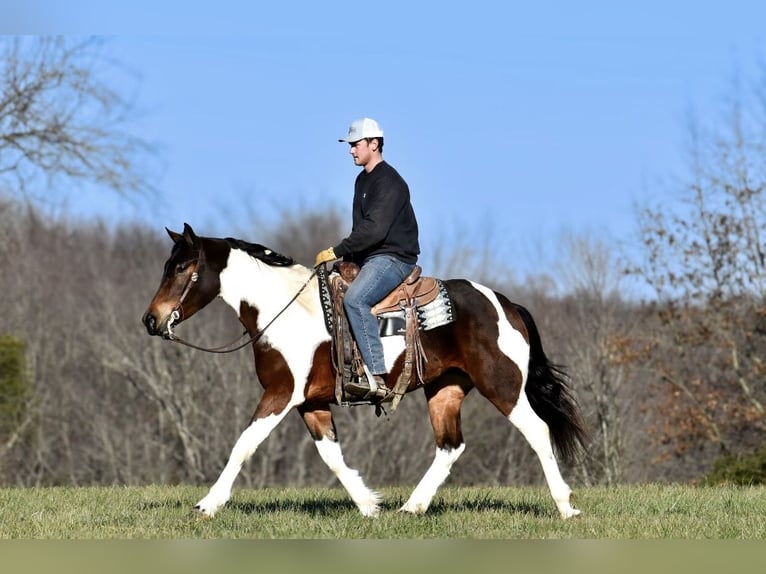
(361, 389)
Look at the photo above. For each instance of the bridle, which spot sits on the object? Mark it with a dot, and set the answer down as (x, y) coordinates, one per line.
(177, 314)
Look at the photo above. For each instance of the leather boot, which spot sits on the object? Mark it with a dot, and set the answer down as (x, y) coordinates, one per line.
(361, 388)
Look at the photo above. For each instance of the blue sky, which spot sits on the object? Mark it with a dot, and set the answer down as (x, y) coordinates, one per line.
(513, 121)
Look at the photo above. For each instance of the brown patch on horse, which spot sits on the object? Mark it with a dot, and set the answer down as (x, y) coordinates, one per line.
(513, 316)
(277, 381)
(321, 380)
(445, 397)
(164, 302)
(495, 375)
(319, 422)
(271, 367)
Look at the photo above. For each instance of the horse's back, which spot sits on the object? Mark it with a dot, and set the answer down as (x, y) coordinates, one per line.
(475, 304)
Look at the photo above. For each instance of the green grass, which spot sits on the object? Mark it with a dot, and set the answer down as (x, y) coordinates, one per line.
(164, 512)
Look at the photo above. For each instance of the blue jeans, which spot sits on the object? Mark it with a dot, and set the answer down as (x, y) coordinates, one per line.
(378, 276)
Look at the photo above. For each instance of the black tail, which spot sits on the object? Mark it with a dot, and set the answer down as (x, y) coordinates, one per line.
(550, 396)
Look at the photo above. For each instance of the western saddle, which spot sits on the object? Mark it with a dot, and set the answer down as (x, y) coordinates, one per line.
(413, 292)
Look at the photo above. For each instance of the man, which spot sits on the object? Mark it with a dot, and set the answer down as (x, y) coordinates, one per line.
(383, 242)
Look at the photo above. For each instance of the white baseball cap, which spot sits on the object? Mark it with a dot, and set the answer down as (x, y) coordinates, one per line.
(361, 129)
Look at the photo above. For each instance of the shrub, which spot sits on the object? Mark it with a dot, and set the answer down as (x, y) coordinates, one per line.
(743, 470)
(15, 388)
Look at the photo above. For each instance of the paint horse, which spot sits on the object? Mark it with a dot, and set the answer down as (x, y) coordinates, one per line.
(492, 345)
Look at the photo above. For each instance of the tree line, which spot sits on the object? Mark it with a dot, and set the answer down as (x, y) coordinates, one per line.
(88, 398)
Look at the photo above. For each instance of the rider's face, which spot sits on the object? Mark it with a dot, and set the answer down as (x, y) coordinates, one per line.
(362, 151)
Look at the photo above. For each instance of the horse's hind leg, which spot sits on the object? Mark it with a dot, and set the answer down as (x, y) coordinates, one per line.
(537, 434)
(322, 428)
(444, 402)
(501, 364)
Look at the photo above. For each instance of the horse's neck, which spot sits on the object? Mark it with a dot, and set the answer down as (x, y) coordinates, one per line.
(246, 279)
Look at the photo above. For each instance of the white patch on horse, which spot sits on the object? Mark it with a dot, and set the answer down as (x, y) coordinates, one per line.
(393, 346)
(509, 340)
(537, 434)
(366, 500)
(243, 449)
(298, 330)
(421, 497)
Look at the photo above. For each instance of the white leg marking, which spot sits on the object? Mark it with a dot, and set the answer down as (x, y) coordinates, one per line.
(243, 449)
(366, 500)
(421, 497)
(537, 434)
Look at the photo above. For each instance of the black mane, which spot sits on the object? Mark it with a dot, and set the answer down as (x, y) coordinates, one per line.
(268, 256)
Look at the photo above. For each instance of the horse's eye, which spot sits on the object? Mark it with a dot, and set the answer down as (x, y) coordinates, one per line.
(181, 267)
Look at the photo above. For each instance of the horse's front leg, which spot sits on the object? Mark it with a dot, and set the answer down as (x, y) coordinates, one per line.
(260, 427)
(322, 428)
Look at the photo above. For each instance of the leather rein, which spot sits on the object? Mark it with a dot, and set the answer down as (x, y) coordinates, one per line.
(177, 314)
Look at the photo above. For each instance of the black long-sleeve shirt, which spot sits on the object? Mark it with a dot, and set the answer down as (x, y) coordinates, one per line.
(383, 218)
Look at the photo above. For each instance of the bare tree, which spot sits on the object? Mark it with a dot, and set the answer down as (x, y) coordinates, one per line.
(600, 349)
(60, 117)
(705, 258)
(301, 232)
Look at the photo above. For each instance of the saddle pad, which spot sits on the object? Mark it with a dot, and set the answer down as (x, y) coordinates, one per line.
(434, 314)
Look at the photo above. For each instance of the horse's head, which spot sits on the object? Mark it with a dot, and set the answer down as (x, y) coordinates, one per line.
(189, 282)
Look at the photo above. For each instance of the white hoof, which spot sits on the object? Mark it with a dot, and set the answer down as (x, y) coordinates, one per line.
(569, 512)
(414, 507)
(370, 510)
(370, 505)
(210, 505)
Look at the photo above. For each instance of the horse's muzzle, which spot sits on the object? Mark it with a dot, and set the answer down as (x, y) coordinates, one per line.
(150, 322)
(154, 327)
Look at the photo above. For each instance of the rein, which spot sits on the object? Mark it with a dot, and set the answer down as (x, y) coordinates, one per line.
(178, 313)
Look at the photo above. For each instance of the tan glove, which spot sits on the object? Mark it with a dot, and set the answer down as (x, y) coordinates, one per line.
(325, 256)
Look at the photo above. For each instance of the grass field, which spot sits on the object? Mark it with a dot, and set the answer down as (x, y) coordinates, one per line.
(472, 513)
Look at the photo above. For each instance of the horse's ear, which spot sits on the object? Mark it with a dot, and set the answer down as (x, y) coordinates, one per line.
(173, 235)
(189, 235)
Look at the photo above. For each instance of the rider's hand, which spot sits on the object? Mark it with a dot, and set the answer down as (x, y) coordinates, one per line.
(325, 256)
